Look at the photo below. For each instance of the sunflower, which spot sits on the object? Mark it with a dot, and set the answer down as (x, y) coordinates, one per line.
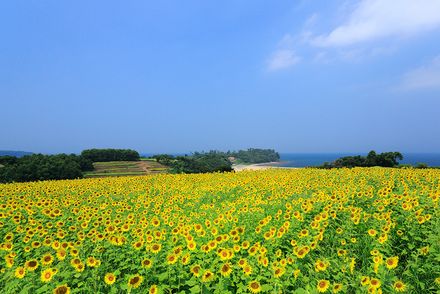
(172, 259)
(208, 276)
(392, 262)
(342, 252)
(242, 263)
(374, 252)
(47, 274)
(79, 267)
(399, 286)
(375, 283)
(226, 269)
(196, 270)
(224, 254)
(35, 244)
(61, 254)
(322, 285)
(63, 289)
(137, 245)
(74, 262)
(147, 263)
(424, 250)
(254, 287)
(135, 281)
(186, 259)
(320, 265)
(191, 245)
(252, 251)
(212, 244)
(365, 280)
(153, 289)
(9, 261)
(109, 278)
(155, 248)
(56, 245)
(337, 287)
(278, 271)
(301, 253)
(247, 270)
(372, 232)
(31, 265)
(20, 272)
(93, 262)
(303, 233)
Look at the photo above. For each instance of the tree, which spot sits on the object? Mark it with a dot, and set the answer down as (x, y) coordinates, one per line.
(386, 159)
(103, 155)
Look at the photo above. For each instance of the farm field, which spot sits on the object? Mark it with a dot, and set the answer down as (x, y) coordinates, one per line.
(361, 230)
(125, 168)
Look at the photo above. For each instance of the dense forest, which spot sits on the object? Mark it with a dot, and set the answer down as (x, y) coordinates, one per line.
(39, 167)
(254, 155)
(385, 159)
(199, 162)
(102, 155)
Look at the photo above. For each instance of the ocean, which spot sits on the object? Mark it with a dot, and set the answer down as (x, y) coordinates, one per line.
(315, 159)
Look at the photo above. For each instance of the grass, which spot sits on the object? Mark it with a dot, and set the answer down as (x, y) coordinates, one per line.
(147, 159)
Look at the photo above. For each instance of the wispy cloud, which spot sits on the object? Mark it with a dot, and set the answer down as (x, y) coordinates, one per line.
(375, 19)
(284, 56)
(426, 77)
(282, 59)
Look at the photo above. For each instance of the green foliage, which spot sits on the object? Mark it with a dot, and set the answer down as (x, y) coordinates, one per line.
(199, 162)
(38, 167)
(255, 155)
(385, 159)
(7, 159)
(421, 165)
(102, 155)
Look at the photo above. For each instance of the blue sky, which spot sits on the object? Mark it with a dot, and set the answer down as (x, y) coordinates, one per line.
(180, 76)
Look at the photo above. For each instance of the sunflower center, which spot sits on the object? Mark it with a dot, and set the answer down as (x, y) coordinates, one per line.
(134, 280)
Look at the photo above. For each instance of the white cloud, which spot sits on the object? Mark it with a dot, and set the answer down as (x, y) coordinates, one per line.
(423, 78)
(311, 20)
(282, 59)
(375, 19)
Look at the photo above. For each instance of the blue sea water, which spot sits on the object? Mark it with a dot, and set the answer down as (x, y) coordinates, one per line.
(315, 159)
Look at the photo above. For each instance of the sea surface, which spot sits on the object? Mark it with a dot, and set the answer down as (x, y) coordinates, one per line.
(315, 159)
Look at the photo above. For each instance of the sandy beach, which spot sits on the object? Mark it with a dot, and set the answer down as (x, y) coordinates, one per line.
(257, 166)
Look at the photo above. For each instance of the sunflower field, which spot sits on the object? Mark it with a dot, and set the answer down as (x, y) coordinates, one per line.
(361, 230)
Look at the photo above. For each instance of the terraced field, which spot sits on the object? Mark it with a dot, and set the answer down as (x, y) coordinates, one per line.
(126, 168)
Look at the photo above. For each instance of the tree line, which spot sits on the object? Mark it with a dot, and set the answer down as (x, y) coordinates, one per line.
(103, 155)
(385, 159)
(254, 155)
(39, 167)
